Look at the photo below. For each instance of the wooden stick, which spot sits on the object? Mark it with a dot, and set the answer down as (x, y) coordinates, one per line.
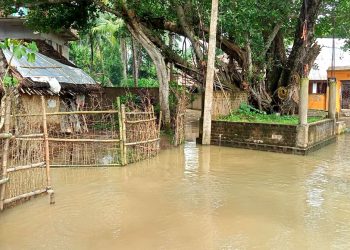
(159, 129)
(86, 165)
(121, 144)
(41, 67)
(29, 166)
(5, 135)
(5, 150)
(70, 113)
(124, 157)
(160, 122)
(3, 181)
(29, 136)
(23, 196)
(84, 140)
(46, 143)
(141, 142)
(137, 113)
(140, 121)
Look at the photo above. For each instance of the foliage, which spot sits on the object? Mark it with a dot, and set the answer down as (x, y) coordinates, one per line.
(244, 25)
(247, 113)
(142, 83)
(334, 19)
(20, 49)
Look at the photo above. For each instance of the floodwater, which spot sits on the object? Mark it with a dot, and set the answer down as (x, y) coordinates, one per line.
(194, 197)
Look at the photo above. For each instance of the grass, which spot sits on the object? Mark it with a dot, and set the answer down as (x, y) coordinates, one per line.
(247, 113)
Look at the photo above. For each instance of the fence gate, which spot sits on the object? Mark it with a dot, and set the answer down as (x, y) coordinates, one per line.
(25, 168)
(98, 138)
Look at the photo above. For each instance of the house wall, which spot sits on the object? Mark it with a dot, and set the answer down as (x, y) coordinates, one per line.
(340, 75)
(32, 105)
(15, 29)
(318, 101)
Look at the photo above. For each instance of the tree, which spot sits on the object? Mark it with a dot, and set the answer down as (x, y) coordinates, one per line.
(253, 38)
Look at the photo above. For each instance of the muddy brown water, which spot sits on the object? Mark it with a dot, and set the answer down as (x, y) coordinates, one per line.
(194, 197)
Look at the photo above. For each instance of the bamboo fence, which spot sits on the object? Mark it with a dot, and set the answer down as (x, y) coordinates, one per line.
(25, 168)
(86, 138)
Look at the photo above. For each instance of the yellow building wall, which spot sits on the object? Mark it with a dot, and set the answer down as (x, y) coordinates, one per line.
(318, 101)
(340, 75)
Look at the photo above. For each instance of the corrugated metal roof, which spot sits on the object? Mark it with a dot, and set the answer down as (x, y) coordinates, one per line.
(45, 67)
(324, 59)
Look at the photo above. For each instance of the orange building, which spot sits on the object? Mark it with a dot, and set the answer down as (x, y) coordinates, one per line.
(321, 72)
(318, 90)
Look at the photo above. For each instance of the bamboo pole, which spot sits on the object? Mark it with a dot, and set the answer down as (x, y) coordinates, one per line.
(140, 121)
(29, 136)
(121, 141)
(123, 115)
(23, 196)
(5, 150)
(5, 135)
(3, 181)
(160, 122)
(29, 166)
(86, 165)
(84, 140)
(47, 150)
(141, 142)
(159, 130)
(70, 113)
(137, 113)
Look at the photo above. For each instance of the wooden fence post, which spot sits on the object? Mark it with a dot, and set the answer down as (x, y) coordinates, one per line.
(123, 117)
(47, 152)
(5, 151)
(121, 137)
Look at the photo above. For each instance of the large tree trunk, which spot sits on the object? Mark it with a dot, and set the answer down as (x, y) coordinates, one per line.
(302, 43)
(209, 82)
(158, 59)
(135, 61)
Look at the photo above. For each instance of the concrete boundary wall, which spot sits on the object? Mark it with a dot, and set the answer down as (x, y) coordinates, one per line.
(293, 139)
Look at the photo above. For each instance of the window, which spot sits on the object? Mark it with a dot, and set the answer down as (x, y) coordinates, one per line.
(314, 88)
(318, 87)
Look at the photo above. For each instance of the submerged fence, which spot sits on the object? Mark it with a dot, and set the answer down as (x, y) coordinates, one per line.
(32, 143)
(25, 168)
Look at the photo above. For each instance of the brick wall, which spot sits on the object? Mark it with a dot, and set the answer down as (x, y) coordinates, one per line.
(320, 131)
(259, 133)
(273, 137)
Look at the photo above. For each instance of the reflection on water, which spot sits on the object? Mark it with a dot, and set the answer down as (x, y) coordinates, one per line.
(194, 197)
(191, 157)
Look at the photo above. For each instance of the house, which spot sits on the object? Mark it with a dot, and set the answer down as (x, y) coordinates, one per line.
(322, 71)
(52, 75)
(14, 28)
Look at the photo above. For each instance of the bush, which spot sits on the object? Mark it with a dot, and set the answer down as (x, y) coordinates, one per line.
(247, 113)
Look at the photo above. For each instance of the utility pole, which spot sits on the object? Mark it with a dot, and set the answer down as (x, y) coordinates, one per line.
(209, 82)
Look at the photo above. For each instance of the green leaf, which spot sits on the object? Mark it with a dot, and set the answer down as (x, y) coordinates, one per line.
(19, 51)
(31, 57)
(32, 46)
(10, 81)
